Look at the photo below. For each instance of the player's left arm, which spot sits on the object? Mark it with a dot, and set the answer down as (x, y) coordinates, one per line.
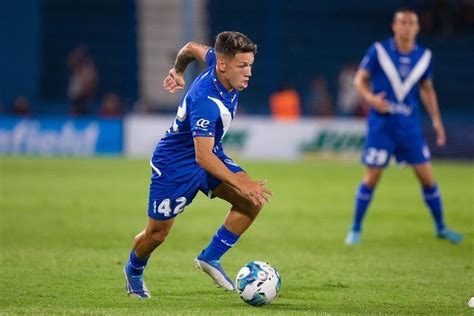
(254, 191)
(174, 81)
(430, 101)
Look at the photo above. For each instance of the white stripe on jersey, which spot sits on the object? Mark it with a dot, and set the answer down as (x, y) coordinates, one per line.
(181, 114)
(155, 168)
(205, 74)
(401, 89)
(226, 117)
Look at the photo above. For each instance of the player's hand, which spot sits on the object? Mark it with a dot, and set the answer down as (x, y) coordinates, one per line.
(440, 133)
(174, 81)
(255, 191)
(379, 103)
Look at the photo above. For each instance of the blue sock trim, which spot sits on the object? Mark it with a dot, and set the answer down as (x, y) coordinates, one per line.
(222, 241)
(363, 198)
(364, 192)
(136, 265)
(432, 199)
(226, 234)
(430, 192)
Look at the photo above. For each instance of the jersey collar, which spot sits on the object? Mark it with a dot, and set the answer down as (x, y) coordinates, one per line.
(223, 93)
(393, 47)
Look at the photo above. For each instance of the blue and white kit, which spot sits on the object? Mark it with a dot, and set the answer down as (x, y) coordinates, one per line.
(398, 132)
(206, 110)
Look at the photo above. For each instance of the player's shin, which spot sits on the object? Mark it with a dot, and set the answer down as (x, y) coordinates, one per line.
(222, 241)
(432, 199)
(136, 265)
(363, 198)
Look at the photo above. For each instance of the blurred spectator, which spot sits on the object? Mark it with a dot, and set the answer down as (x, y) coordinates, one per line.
(111, 106)
(467, 12)
(285, 104)
(318, 101)
(141, 106)
(349, 102)
(443, 16)
(21, 106)
(82, 81)
(426, 16)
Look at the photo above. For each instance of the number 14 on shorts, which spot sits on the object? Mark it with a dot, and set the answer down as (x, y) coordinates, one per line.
(164, 207)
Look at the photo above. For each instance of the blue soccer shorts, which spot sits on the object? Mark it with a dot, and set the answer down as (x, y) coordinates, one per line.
(379, 148)
(168, 196)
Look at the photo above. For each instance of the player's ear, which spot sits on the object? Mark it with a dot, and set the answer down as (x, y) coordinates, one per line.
(417, 27)
(221, 65)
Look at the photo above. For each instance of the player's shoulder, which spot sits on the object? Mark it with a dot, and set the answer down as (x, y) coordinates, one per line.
(211, 57)
(386, 43)
(202, 86)
(422, 49)
(374, 46)
(202, 90)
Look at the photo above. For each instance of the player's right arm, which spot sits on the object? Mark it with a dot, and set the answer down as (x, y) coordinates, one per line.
(362, 84)
(430, 101)
(174, 81)
(254, 191)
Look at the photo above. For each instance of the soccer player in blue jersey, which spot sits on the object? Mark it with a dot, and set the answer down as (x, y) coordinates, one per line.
(393, 76)
(190, 158)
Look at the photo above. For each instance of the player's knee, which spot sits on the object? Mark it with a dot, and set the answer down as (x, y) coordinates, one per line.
(371, 178)
(371, 182)
(156, 237)
(250, 209)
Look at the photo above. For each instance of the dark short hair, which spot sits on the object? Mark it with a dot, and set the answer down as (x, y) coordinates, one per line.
(231, 43)
(404, 10)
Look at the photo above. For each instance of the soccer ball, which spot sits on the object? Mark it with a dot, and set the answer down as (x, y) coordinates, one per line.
(258, 283)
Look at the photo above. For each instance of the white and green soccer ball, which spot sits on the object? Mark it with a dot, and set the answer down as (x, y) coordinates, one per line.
(258, 283)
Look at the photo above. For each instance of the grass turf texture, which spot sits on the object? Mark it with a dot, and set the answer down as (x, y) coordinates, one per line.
(66, 228)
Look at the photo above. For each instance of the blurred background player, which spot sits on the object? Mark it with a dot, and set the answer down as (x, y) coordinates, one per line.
(392, 76)
(190, 158)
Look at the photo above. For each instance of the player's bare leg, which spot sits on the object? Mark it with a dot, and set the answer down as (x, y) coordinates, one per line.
(424, 173)
(372, 176)
(151, 237)
(363, 197)
(432, 197)
(243, 212)
(145, 242)
(237, 220)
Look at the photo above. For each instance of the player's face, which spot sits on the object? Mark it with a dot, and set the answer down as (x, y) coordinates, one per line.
(405, 26)
(238, 70)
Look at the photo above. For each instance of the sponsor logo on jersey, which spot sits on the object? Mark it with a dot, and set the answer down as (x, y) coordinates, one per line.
(400, 108)
(202, 124)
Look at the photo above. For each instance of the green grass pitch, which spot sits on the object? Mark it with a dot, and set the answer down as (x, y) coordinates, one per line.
(66, 228)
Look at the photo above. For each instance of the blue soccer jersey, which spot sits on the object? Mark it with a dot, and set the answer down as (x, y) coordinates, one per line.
(398, 75)
(206, 110)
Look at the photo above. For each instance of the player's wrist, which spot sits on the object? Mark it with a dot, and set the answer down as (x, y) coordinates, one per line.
(370, 98)
(437, 123)
(177, 71)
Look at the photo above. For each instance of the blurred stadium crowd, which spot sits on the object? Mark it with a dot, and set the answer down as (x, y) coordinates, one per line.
(105, 58)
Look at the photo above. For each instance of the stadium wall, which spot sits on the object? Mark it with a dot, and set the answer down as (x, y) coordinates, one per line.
(250, 137)
(259, 138)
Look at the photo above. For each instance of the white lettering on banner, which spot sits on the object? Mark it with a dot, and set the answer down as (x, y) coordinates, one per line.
(27, 138)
